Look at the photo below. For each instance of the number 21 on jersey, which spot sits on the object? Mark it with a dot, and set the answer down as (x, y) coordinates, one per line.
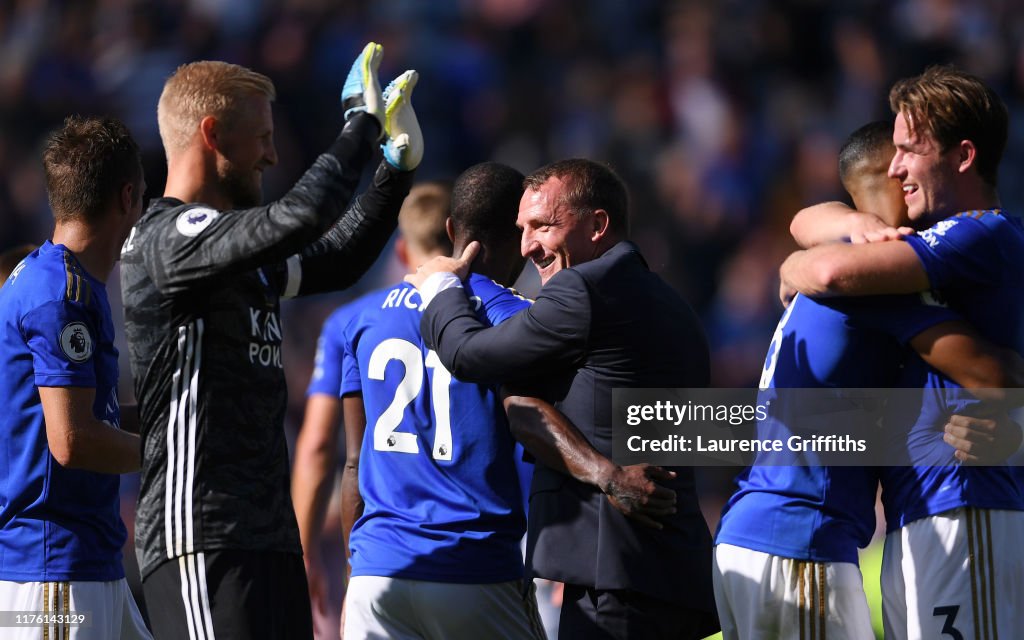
(386, 437)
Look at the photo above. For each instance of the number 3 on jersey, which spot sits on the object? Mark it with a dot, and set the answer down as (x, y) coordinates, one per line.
(385, 434)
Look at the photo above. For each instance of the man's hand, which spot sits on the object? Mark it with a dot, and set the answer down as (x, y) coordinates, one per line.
(441, 264)
(835, 221)
(867, 227)
(983, 441)
(633, 491)
(362, 89)
(786, 293)
(403, 148)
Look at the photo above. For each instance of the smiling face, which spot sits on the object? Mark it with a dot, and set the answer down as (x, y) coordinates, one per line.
(554, 237)
(246, 148)
(926, 174)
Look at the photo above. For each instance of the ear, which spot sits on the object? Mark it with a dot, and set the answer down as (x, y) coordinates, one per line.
(967, 153)
(600, 222)
(449, 227)
(208, 132)
(402, 250)
(127, 197)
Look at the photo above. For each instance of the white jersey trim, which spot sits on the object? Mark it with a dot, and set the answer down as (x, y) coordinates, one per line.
(181, 450)
(291, 287)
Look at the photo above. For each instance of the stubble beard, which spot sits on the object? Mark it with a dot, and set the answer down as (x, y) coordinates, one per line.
(240, 188)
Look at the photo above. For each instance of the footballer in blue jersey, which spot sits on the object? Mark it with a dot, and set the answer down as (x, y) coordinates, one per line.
(786, 547)
(432, 504)
(56, 523)
(437, 469)
(422, 234)
(948, 525)
(61, 532)
(810, 512)
(975, 262)
(327, 369)
(822, 514)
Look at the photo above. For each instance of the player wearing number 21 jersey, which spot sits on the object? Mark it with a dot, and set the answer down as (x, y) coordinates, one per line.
(437, 474)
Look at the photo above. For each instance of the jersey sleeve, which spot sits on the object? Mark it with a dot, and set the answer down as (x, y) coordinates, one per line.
(344, 253)
(351, 380)
(61, 337)
(903, 317)
(957, 251)
(497, 303)
(197, 242)
(327, 368)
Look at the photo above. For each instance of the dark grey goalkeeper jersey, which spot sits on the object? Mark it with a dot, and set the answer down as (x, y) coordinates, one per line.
(201, 292)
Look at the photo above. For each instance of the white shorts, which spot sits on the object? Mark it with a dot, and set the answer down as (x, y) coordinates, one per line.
(70, 611)
(959, 574)
(764, 596)
(399, 609)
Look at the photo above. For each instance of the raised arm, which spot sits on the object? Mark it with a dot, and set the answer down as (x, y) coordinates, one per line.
(343, 254)
(200, 242)
(347, 250)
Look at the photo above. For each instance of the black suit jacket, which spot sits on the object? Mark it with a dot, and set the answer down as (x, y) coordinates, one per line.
(603, 324)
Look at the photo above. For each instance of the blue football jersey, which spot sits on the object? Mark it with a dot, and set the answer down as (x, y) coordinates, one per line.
(55, 331)
(975, 264)
(437, 473)
(329, 364)
(330, 347)
(812, 512)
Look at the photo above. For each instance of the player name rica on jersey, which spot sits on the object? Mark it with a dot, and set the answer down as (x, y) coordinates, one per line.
(398, 298)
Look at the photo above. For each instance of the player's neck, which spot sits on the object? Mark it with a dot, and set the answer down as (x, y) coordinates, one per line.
(489, 265)
(95, 248)
(974, 195)
(192, 178)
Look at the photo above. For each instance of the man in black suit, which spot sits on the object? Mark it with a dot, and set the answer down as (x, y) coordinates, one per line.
(602, 321)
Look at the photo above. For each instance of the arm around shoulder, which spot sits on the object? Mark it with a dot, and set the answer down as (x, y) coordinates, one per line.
(821, 223)
(841, 269)
(552, 333)
(836, 222)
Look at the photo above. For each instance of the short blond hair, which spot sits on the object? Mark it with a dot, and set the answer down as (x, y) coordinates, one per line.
(421, 220)
(204, 88)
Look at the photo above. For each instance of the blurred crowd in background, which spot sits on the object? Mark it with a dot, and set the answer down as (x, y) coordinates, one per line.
(724, 117)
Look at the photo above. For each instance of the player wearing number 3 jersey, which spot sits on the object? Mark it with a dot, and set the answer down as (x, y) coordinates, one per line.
(786, 554)
(435, 552)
